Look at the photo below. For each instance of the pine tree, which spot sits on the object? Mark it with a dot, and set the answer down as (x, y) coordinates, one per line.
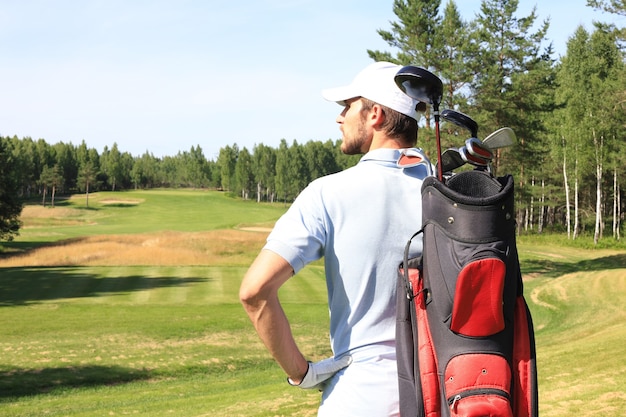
(10, 203)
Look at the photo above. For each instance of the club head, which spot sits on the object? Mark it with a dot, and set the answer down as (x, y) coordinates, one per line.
(476, 148)
(501, 138)
(461, 120)
(472, 159)
(420, 84)
(451, 160)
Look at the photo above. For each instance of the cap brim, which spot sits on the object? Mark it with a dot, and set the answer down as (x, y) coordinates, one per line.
(339, 95)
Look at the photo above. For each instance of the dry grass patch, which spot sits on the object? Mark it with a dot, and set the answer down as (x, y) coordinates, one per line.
(256, 229)
(38, 216)
(217, 247)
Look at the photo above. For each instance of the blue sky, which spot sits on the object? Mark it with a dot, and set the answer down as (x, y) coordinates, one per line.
(163, 76)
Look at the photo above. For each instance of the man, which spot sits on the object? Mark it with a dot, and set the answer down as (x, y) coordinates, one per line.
(359, 220)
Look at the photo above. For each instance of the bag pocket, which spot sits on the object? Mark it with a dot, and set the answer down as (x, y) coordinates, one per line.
(477, 309)
(478, 385)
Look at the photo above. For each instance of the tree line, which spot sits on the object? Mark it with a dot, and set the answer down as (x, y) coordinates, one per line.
(265, 173)
(569, 115)
(36, 170)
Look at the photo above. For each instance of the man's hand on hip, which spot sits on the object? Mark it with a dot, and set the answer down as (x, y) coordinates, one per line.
(319, 372)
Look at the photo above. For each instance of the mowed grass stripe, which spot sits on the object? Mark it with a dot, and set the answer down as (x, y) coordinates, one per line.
(583, 318)
(115, 285)
(150, 340)
(117, 334)
(306, 287)
(165, 285)
(146, 284)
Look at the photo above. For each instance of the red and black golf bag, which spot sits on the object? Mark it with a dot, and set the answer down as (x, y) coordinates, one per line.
(465, 339)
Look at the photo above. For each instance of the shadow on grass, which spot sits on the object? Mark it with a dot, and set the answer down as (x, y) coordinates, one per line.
(555, 269)
(20, 286)
(13, 248)
(26, 382)
(19, 248)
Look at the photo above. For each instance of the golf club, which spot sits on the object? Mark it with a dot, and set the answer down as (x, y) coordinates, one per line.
(421, 84)
(454, 158)
(501, 138)
(476, 153)
(477, 148)
(461, 120)
(474, 160)
(450, 160)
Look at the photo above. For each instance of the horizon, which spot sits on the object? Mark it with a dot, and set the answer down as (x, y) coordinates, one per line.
(163, 78)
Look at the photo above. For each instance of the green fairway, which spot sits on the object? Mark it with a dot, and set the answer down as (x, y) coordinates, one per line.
(152, 341)
(143, 211)
(578, 300)
(108, 337)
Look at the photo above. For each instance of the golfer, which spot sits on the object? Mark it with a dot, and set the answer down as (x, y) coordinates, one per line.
(359, 220)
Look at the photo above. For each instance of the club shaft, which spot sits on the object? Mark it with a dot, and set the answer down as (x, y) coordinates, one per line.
(438, 140)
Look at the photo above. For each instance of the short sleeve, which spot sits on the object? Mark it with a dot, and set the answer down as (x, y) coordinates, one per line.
(299, 236)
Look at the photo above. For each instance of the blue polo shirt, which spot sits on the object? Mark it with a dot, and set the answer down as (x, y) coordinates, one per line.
(359, 220)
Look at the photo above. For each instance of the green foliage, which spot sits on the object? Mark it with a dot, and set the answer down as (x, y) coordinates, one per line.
(226, 161)
(87, 175)
(10, 204)
(244, 176)
(112, 165)
(416, 36)
(569, 116)
(264, 167)
(611, 6)
(52, 178)
(454, 65)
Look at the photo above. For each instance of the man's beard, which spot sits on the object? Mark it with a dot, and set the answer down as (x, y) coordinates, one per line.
(354, 145)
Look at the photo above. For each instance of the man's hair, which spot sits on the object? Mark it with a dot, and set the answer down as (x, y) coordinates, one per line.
(396, 125)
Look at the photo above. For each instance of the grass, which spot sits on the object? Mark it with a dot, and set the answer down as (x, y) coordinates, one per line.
(141, 211)
(139, 340)
(577, 297)
(130, 307)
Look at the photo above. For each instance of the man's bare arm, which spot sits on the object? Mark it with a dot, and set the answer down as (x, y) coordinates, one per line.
(259, 296)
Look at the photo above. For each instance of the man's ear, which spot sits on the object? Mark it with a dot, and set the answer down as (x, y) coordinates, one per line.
(376, 115)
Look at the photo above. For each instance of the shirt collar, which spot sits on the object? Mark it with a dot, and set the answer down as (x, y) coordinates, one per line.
(391, 156)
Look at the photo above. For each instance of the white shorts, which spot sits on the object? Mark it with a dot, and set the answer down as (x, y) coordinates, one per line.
(366, 388)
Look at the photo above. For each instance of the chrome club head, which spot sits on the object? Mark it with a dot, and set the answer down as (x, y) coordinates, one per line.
(460, 119)
(501, 138)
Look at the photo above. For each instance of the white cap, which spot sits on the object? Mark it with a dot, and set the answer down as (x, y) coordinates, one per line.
(376, 83)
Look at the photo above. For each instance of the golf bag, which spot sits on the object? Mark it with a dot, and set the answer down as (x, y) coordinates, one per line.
(465, 339)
